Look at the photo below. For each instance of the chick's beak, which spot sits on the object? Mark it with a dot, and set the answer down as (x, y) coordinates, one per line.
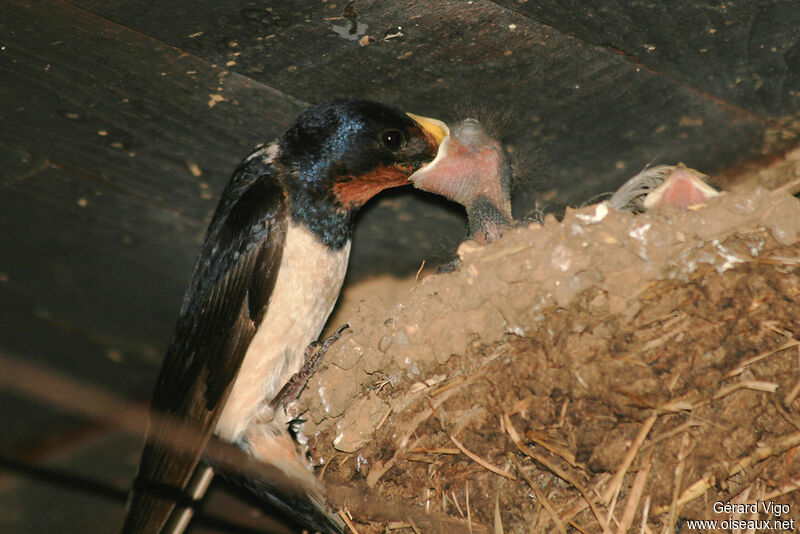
(683, 189)
(436, 128)
(439, 137)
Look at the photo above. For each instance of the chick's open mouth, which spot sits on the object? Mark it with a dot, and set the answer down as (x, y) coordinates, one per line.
(438, 133)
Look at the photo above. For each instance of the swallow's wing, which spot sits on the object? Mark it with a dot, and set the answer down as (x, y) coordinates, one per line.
(231, 286)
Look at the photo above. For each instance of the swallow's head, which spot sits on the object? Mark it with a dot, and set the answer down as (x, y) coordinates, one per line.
(354, 149)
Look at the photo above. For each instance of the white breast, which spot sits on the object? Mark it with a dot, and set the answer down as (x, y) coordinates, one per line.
(306, 289)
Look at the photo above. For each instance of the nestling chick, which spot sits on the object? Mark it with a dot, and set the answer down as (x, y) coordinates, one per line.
(473, 169)
(664, 185)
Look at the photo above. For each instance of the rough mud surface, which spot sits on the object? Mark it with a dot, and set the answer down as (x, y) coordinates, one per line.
(605, 373)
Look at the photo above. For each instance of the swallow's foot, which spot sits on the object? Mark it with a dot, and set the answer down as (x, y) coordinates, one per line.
(313, 358)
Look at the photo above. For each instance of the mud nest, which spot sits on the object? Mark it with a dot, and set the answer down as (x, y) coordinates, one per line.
(604, 373)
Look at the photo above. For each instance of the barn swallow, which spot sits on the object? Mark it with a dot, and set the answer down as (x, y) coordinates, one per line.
(663, 185)
(267, 276)
(473, 169)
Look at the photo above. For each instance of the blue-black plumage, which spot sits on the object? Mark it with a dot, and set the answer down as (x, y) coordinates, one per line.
(266, 278)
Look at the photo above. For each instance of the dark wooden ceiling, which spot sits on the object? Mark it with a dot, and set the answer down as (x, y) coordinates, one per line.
(121, 120)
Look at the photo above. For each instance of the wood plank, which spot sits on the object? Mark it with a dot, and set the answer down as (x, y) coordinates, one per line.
(124, 108)
(91, 279)
(103, 130)
(105, 101)
(97, 243)
(28, 506)
(590, 115)
(92, 272)
(746, 53)
(91, 475)
(18, 165)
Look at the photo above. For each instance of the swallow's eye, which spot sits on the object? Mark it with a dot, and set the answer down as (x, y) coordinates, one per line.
(393, 140)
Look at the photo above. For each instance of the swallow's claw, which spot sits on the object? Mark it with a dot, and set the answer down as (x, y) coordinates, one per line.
(313, 358)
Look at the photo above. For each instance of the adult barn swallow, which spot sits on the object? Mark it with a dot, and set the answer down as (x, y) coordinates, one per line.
(267, 276)
(473, 169)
